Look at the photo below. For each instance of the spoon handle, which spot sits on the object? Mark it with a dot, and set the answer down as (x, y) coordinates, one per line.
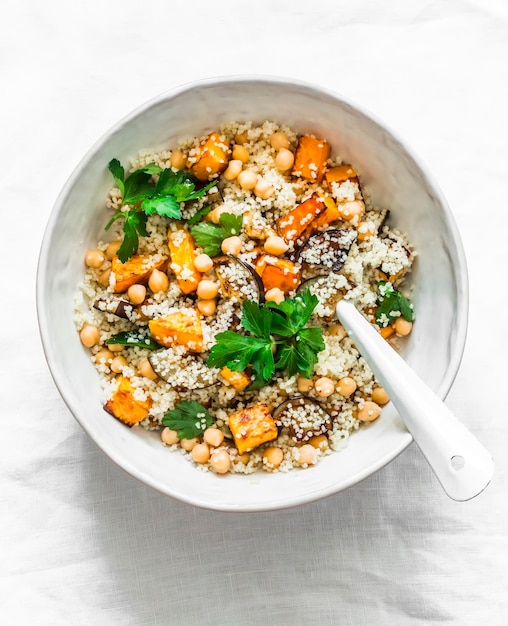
(460, 462)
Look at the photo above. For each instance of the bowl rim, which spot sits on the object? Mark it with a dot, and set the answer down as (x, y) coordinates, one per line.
(462, 287)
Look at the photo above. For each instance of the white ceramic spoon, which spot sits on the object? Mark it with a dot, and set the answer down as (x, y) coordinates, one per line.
(461, 463)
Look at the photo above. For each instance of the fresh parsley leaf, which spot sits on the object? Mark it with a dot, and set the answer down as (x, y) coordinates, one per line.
(162, 205)
(139, 338)
(137, 187)
(117, 170)
(134, 225)
(189, 419)
(392, 304)
(210, 236)
(199, 215)
(277, 340)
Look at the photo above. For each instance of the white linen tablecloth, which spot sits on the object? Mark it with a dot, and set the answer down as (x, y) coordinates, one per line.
(82, 542)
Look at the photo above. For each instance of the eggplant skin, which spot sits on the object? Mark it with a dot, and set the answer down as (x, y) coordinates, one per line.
(328, 250)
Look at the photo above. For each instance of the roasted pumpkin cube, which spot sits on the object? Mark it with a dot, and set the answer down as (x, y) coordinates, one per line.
(238, 380)
(182, 249)
(292, 225)
(252, 427)
(341, 173)
(310, 158)
(328, 216)
(182, 327)
(127, 402)
(276, 272)
(135, 270)
(212, 157)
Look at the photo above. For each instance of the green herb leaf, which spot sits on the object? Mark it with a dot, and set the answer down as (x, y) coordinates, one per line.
(117, 170)
(138, 187)
(392, 304)
(210, 236)
(274, 329)
(189, 419)
(139, 338)
(135, 224)
(162, 205)
(199, 215)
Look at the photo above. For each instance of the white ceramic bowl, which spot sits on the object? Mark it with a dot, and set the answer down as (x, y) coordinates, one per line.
(396, 180)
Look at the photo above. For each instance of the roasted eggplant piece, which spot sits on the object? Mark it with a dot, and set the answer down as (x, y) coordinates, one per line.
(238, 280)
(189, 371)
(117, 306)
(304, 417)
(328, 250)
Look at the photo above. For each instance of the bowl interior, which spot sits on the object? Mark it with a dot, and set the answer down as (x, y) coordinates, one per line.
(395, 181)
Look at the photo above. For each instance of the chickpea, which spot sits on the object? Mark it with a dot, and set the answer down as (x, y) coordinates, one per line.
(137, 294)
(220, 461)
(207, 307)
(232, 245)
(320, 442)
(178, 159)
(213, 437)
(112, 249)
(158, 281)
(207, 289)
(89, 335)
(379, 396)
(369, 412)
(104, 356)
(402, 327)
(188, 444)
(169, 437)
(346, 386)
(247, 179)
(279, 140)
(284, 160)
(118, 363)
(275, 245)
(216, 213)
(115, 347)
(337, 330)
(350, 210)
(95, 258)
(104, 277)
(240, 153)
(241, 138)
(243, 458)
(324, 387)
(304, 385)
(307, 455)
(200, 453)
(146, 370)
(366, 230)
(272, 457)
(203, 263)
(263, 189)
(233, 169)
(274, 295)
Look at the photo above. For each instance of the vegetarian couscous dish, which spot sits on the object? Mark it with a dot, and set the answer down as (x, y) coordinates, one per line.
(208, 311)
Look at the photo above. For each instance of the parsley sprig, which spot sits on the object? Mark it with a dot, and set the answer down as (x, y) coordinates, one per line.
(277, 339)
(392, 304)
(189, 419)
(210, 236)
(147, 197)
(136, 337)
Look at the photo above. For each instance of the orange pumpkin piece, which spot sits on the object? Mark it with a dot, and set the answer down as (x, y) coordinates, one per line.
(328, 216)
(252, 427)
(182, 249)
(238, 380)
(341, 173)
(277, 272)
(386, 331)
(212, 157)
(310, 158)
(135, 270)
(125, 406)
(292, 225)
(182, 327)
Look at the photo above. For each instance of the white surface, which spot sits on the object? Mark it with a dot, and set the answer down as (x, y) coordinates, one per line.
(82, 542)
